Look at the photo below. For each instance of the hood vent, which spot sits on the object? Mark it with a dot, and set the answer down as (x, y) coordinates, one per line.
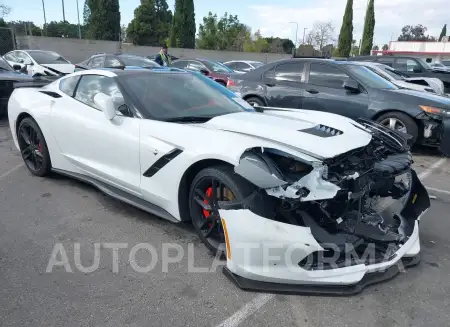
(322, 131)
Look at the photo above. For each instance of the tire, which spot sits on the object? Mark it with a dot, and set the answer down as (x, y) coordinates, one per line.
(409, 123)
(239, 187)
(255, 102)
(44, 168)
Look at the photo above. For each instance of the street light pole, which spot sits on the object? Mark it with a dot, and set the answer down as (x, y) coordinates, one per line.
(304, 33)
(296, 37)
(45, 18)
(79, 25)
(64, 13)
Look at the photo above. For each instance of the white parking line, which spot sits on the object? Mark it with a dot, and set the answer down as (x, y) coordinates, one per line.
(434, 166)
(437, 190)
(247, 310)
(11, 171)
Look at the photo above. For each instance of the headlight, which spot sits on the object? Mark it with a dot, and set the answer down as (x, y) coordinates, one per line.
(436, 111)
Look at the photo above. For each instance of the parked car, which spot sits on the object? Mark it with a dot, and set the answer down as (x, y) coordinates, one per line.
(194, 152)
(39, 62)
(446, 63)
(213, 69)
(243, 66)
(121, 61)
(347, 89)
(411, 66)
(432, 85)
(439, 66)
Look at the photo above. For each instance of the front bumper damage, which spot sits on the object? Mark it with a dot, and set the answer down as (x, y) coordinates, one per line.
(268, 255)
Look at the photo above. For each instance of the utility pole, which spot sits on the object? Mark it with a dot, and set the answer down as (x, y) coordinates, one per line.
(296, 37)
(79, 25)
(45, 18)
(304, 33)
(64, 13)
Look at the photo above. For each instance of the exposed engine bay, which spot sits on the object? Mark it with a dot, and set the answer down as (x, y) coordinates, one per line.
(369, 196)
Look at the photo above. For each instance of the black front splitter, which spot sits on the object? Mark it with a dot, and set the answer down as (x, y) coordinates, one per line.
(331, 290)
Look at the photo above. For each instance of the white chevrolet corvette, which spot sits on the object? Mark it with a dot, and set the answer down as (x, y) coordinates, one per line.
(299, 201)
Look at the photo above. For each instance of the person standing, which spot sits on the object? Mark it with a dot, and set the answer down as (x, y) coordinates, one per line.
(163, 57)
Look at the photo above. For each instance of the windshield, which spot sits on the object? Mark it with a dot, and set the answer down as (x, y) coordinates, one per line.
(257, 64)
(424, 63)
(47, 57)
(217, 67)
(438, 64)
(4, 65)
(169, 95)
(137, 61)
(368, 78)
(394, 73)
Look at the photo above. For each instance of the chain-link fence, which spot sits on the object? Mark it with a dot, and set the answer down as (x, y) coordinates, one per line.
(7, 40)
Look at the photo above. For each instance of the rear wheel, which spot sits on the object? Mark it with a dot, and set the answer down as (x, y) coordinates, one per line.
(33, 148)
(400, 122)
(255, 102)
(210, 186)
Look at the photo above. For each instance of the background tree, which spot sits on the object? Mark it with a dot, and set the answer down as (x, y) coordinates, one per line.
(346, 34)
(415, 33)
(183, 25)
(321, 34)
(385, 47)
(376, 48)
(4, 11)
(278, 45)
(355, 49)
(24, 27)
(151, 23)
(369, 26)
(86, 12)
(443, 32)
(226, 33)
(62, 29)
(104, 20)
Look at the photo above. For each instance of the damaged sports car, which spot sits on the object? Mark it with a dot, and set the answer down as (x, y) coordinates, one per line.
(298, 201)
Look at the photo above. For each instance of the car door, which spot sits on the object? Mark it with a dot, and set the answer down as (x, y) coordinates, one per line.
(325, 92)
(107, 150)
(284, 85)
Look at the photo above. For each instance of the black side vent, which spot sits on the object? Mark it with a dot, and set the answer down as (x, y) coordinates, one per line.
(161, 162)
(52, 94)
(322, 131)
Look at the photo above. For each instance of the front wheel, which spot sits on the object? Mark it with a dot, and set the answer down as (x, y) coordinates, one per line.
(33, 148)
(211, 185)
(400, 122)
(255, 102)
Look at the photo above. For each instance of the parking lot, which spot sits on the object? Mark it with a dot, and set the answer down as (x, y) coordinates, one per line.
(38, 213)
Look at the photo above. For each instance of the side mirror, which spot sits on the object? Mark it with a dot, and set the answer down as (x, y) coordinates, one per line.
(17, 67)
(417, 69)
(106, 104)
(204, 72)
(351, 85)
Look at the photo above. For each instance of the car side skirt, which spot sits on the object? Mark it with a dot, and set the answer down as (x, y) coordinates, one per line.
(120, 195)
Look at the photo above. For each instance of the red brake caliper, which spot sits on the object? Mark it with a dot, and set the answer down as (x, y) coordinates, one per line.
(206, 213)
(40, 147)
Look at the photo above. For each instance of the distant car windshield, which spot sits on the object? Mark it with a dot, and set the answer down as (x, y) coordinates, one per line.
(257, 64)
(217, 67)
(369, 78)
(424, 63)
(47, 57)
(172, 95)
(137, 61)
(4, 65)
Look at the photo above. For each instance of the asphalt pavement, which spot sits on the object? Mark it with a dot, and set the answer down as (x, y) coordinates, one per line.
(41, 215)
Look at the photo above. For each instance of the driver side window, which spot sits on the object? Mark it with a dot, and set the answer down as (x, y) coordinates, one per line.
(324, 75)
(90, 85)
(23, 58)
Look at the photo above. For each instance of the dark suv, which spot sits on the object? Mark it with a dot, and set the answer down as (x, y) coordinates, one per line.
(348, 89)
(411, 66)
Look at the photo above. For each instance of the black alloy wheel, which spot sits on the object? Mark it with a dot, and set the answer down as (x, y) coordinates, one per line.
(211, 186)
(33, 147)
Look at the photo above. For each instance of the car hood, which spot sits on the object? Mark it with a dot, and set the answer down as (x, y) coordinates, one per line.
(426, 97)
(61, 68)
(321, 135)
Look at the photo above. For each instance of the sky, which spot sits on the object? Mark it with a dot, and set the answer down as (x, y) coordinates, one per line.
(272, 17)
